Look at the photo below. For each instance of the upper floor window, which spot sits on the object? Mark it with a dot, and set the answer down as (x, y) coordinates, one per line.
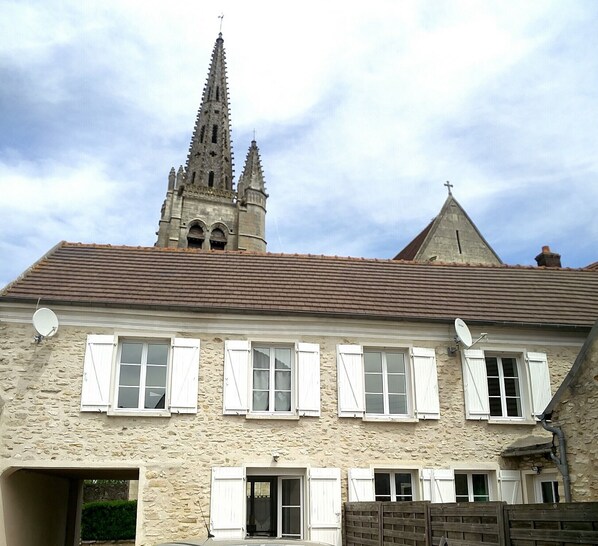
(217, 239)
(387, 383)
(264, 379)
(505, 387)
(196, 237)
(149, 376)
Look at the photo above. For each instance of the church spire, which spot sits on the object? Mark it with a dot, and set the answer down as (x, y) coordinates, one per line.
(252, 176)
(210, 159)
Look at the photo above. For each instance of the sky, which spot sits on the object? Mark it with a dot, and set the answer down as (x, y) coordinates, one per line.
(361, 110)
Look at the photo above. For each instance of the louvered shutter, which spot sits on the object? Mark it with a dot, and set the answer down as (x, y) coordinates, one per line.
(427, 404)
(97, 371)
(439, 484)
(227, 503)
(351, 401)
(236, 372)
(361, 485)
(308, 379)
(539, 382)
(475, 384)
(325, 505)
(510, 486)
(184, 375)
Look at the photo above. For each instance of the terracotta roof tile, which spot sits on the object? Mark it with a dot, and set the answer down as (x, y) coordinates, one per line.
(81, 274)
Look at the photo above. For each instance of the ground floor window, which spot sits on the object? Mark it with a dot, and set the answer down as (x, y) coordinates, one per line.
(547, 489)
(274, 506)
(393, 486)
(471, 487)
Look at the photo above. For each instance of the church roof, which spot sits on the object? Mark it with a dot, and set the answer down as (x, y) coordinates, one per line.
(450, 236)
(213, 281)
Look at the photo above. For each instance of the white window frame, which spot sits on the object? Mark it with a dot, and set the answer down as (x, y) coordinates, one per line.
(469, 474)
(385, 394)
(534, 384)
(272, 379)
(548, 477)
(501, 380)
(414, 475)
(421, 383)
(238, 379)
(101, 370)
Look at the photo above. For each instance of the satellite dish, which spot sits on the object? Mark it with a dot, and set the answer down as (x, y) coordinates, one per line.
(463, 335)
(45, 322)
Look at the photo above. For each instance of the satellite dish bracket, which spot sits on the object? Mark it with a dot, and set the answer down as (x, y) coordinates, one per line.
(463, 337)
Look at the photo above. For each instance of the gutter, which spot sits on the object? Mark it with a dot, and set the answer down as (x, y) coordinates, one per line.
(561, 462)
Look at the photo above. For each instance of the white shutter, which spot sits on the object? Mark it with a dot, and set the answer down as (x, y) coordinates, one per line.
(351, 401)
(439, 484)
(510, 486)
(184, 375)
(325, 505)
(475, 384)
(539, 376)
(227, 502)
(97, 369)
(308, 379)
(361, 485)
(427, 405)
(236, 373)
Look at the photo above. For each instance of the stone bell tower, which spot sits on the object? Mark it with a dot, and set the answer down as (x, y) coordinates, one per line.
(202, 208)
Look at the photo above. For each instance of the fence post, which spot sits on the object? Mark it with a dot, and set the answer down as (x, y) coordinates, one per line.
(380, 524)
(428, 520)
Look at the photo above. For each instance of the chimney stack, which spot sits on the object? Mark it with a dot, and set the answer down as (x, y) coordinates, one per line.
(546, 258)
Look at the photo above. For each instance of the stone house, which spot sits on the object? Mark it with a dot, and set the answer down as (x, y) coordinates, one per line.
(261, 391)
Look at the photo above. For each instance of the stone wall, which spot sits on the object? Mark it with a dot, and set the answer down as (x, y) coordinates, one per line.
(42, 423)
(577, 415)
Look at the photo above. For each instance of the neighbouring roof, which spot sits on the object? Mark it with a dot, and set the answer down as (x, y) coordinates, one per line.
(411, 250)
(196, 280)
(529, 445)
(593, 266)
(581, 359)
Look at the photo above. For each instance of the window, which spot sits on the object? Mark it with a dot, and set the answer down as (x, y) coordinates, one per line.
(150, 376)
(504, 390)
(217, 239)
(214, 134)
(211, 179)
(505, 386)
(196, 237)
(393, 486)
(271, 380)
(547, 488)
(202, 132)
(142, 373)
(471, 487)
(387, 383)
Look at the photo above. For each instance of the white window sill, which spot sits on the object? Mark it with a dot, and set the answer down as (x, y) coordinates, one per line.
(506, 421)
(391, 418)
(274, 415)
(138, 413)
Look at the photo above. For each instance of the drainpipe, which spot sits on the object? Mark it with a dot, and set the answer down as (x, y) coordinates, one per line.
(561, 462)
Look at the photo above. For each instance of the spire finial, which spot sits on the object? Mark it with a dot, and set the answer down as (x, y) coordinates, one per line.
(254, 135)
(221, 17)
(448, 187)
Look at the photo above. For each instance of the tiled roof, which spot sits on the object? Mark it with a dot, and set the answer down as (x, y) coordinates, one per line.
(195, 280)
(593, 266)
(410, 251)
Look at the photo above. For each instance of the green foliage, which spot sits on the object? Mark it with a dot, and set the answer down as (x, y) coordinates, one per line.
(109, 520)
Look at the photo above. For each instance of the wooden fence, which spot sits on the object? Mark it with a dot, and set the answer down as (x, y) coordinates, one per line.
(470, 524)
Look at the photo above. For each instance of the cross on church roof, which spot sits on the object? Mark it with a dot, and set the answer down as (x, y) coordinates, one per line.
(449, 186)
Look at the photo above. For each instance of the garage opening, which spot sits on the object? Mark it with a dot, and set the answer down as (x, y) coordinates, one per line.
(43, 505)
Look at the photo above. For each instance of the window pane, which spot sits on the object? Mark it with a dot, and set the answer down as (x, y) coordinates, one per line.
(397, 404)
(129, 375)
(492, 366)
(382, 485)
(157, 354)
(547, 491)
(374, 403)
(509, 366)
(291, 521)
(261, 380)
(493, 386)
(404, 491)
(373, 362)
(480, 487)
(128, 397)
(291, 492)
(282, 401)
(154, 398)
(395, 362)
(512, 387)
(461, 489)
(260, 401)
(131, 352)
(156, 376)
(396, 384)
(261, 358)
(283, 381)
(495, 407)
(513, 407)
(283, 358)
(373, 382)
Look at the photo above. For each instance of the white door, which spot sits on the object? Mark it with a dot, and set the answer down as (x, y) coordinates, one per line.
(325, 505)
